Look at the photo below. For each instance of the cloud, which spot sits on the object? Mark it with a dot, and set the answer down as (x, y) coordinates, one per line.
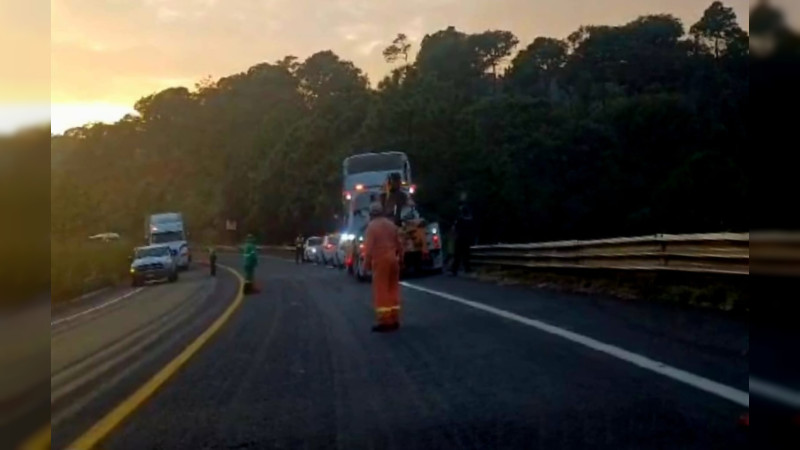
(167, 14)
(356, 31)
(368, 47)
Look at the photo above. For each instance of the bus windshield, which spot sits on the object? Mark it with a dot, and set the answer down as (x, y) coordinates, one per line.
(378, 162)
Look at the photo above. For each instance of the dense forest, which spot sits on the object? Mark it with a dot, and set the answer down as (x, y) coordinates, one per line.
(615, 130)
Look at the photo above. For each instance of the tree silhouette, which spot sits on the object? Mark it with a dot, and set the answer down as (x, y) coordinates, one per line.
(616, 130)
(399, 49)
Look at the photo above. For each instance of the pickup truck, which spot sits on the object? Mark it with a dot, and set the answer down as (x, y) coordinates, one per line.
(152, 263)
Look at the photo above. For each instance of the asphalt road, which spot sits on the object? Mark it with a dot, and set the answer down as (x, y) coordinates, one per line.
(105, 348)
(297, 367)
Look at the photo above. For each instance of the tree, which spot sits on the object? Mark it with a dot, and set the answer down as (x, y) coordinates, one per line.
(717, 29)
(617, 130)
(323, 75)
(288, 62)
(536, 66)
(447, 55)
(493, 47)
(399, 48)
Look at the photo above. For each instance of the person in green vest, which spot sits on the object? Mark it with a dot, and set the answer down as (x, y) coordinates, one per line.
(250, 263)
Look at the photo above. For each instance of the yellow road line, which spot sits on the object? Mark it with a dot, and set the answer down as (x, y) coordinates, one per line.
(107, 424)
(39, 441)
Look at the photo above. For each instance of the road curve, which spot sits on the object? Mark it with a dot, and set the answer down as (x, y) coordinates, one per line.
(102, 351)
(298, 367)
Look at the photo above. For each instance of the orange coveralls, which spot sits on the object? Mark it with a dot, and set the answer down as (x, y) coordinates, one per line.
(383, 256)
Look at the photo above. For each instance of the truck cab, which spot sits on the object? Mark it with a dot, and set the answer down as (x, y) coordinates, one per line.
(168, 229)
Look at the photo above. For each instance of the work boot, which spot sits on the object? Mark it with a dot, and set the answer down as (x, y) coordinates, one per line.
(385, 328)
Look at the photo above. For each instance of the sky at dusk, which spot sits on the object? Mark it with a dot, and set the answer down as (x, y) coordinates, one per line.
(106, 54)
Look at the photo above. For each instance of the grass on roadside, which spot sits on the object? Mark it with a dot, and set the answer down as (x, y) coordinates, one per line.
(81, 266)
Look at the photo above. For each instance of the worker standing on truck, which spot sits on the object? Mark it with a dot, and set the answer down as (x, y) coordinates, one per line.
(394, 199)
(383, 257)
(250, 263)
(464, 237)
(298, 249)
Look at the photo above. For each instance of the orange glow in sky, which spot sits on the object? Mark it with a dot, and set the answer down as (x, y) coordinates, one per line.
(107, 54)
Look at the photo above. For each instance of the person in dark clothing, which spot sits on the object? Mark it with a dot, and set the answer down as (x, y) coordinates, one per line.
(464, 236)
(298, 249)
(394, 199)
(212, 261)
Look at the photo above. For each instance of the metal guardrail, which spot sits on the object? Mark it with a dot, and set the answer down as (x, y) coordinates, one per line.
(720, 253)
(773, 253)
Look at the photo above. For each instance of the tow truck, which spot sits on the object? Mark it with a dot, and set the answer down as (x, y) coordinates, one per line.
(365, 179)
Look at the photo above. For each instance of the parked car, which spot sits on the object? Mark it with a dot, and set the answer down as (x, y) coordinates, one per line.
(330, 251)
(152, 263)
(312, 250)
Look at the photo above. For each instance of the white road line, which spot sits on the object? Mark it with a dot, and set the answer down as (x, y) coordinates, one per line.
(771, 391)
(101, 306)
(720, 390)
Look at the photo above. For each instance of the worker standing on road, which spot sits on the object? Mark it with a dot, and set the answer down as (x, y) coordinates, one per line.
(212, 261)
(298, 249)
(250, 263)
(383, 257)
(464, 237)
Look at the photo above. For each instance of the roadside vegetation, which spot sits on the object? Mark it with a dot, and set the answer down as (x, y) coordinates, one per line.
(80, 266)
(24, 216)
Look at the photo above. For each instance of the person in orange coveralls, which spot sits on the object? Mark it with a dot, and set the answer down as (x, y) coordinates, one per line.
(383, 257)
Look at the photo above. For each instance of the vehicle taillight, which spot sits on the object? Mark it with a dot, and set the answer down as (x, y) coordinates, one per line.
(436, 240)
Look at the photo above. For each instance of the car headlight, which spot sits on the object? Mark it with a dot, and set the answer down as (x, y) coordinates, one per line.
(133, 269)
(313, 250)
